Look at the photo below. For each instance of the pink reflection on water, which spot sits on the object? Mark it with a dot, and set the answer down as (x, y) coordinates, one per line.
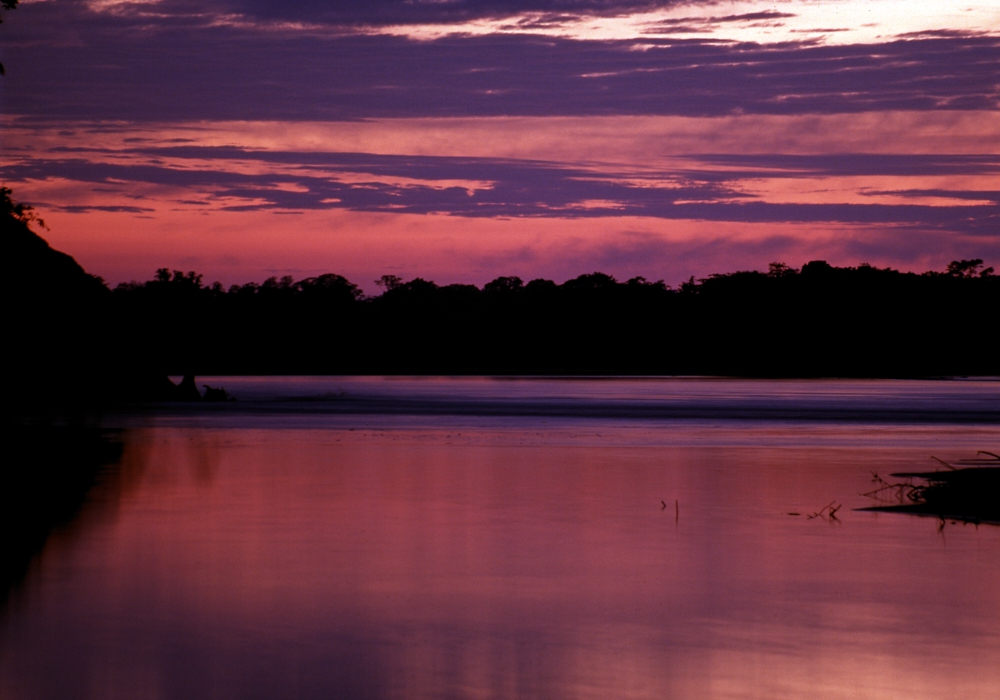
(496, 562)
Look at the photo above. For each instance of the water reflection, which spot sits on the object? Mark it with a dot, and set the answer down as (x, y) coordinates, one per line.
(49, 467)
(473, 560)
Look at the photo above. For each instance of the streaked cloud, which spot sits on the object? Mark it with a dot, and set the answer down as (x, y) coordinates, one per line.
(830, 21)
(83, 66)
(841, 187)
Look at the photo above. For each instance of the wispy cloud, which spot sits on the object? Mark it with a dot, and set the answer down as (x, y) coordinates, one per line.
(80, 67)
(712, 187)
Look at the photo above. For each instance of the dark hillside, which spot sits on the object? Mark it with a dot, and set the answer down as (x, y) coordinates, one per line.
(66, 343)
(55, 314)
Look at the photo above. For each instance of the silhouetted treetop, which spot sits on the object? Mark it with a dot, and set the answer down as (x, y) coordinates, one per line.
(540, 286)
(31, 264)
(19, 211)
(968, 268)
(389, 282)
(595, 281)
(643, 282)
(780, 269)
(504, 284)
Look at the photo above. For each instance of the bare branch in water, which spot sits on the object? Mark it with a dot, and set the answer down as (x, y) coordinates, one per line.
(969, 495)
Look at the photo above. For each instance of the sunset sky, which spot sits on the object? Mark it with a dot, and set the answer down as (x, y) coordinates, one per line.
(461, 140)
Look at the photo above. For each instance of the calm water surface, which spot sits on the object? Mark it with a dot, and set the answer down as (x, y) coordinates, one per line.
(474, 538)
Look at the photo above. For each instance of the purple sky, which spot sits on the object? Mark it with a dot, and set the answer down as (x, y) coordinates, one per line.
(464, 140)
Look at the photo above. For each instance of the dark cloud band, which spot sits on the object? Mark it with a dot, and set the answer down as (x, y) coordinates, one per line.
(399, 12)
(518, 188)
(78, 65)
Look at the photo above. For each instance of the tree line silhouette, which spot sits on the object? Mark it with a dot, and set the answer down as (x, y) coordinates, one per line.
(72, 333)
(817, 321)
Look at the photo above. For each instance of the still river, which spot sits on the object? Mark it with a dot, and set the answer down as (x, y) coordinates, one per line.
(519, 538)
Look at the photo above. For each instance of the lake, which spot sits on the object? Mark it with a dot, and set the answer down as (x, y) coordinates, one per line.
(519, 538)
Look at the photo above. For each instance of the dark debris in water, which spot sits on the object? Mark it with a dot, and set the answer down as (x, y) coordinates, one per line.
(968, 491)
(827, 512)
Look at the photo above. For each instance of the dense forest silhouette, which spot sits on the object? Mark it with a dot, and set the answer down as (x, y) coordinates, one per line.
(817, 321)
(73, 332)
